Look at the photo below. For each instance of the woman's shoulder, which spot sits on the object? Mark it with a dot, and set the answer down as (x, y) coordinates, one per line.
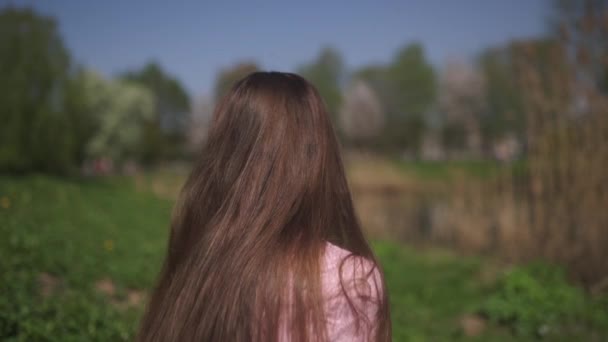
(343, 268)
(353, 286)
(334, 255)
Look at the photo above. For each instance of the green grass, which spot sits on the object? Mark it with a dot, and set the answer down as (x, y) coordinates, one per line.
(432, 291)
(444, 170)
(81, 233)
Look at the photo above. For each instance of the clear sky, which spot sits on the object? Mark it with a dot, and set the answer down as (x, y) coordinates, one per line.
(194, 39)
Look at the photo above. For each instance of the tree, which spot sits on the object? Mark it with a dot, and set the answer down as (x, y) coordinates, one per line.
(34, 134)
(117, 109)
(454, 135)
(503, 113)
(229, 76)
(410, 93)
(461, 100)
(412, 82)
(164, 134)
(326, 73)
(375, 76)
(361, 115)
(581, 26)
(84, 98)
(406, 89)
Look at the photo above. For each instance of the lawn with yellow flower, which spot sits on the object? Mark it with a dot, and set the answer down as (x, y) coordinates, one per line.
(78, 257)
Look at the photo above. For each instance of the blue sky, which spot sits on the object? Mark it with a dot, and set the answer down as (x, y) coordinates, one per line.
(193, 40)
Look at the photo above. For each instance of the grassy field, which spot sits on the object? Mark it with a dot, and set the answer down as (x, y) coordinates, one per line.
(447, 170)
(78, 257)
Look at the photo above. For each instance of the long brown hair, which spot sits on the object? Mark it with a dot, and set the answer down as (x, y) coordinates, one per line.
(252, 221)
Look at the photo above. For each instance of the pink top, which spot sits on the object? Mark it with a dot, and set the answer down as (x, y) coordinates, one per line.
(363, 286)
(364, 289)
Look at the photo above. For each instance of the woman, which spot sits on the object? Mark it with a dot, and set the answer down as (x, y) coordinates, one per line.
(265, 244)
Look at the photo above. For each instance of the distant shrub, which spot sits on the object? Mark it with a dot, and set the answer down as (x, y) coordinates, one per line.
(537, 300)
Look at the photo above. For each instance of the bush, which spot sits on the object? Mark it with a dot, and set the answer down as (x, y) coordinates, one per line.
(537, 300)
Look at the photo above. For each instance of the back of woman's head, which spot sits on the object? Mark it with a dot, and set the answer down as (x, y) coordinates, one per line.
(250, 225)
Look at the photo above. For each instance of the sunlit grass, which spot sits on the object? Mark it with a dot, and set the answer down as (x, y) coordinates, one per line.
(77, 259)
(444, 170)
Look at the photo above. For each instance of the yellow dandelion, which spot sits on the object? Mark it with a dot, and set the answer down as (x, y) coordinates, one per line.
(108, 245)
(5, 202)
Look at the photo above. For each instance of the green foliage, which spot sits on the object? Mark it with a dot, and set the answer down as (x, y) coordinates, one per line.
(126, 107)
(110, 115)
(53, 118)
(580, 26)
(536, 300)
(228, 77)
(376, 77)
(34, 134)
(503, 71)
(165, 133)
(404, 133)
(83, 92)
(412, 82)
(407, 89)
(504, 112)
(453, 135)
(326, 73)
